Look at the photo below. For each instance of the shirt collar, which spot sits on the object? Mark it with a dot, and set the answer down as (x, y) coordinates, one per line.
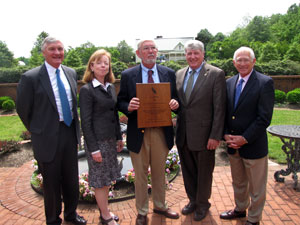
(145, 69)
(51, 69)
(96, 83)
(245, 78)
(198, 69)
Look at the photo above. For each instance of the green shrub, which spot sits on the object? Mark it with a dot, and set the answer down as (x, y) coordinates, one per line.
(3, 99)
(12, 75)
(293, 96)
(118, 67)
(173, 65)
(280, 96)
(8, 105)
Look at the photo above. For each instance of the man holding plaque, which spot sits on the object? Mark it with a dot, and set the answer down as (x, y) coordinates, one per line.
(148, 146)
(201, 90)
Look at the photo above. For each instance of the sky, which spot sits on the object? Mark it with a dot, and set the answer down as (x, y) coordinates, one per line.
(106, 23)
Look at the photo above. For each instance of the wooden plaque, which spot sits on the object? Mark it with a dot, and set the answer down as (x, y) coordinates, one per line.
(154, 110)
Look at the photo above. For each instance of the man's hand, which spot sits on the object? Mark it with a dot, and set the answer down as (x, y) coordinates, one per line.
(173, 104)
(212, 144)
(134, 104)
(235, 141)
(97, 157)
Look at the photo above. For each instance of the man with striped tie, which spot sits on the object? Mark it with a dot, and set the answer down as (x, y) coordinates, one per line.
(47, 105)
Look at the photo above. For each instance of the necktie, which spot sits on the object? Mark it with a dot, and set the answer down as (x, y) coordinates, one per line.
(189, 86)
(64, 100)
(238, 91)
(150, 79)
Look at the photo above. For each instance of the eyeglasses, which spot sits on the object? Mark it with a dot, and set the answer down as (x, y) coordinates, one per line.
(148, 48)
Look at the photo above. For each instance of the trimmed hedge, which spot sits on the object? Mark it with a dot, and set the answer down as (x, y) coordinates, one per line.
(8, 105)
(3, 99)
(293, 97)
(280, 96)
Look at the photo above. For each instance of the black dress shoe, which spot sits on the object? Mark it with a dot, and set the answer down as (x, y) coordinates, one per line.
(77, 220)
(232, 214)
(141, 220)
(189, 208)
(250, 223)
(200, 214)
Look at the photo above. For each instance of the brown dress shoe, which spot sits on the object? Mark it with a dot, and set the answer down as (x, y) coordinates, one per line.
(141, 220)
(167, 213)
(232, 214)
(200, 214)
(250, 223)
(189, 208)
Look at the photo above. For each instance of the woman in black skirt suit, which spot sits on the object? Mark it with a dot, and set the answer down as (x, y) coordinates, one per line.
(101, 129)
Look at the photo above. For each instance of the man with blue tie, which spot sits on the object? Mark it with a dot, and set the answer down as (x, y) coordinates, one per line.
(250, 102)
(47, 105)
(148, 147)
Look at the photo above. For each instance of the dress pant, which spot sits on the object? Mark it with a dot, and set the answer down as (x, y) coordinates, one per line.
(60, 177)
(249, 180)
(153, 153)
(197, 170)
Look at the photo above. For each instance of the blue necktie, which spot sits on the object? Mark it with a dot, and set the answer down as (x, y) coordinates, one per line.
(64, 100)
(238, 91)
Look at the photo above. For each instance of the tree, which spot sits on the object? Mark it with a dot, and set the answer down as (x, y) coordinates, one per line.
(85, 51)
(126, 52)
(6, 57)
(36, 58)
(258, 29)
(38, 43)
(294, 52)
(204, 36)
(73, 59)
(268, 53)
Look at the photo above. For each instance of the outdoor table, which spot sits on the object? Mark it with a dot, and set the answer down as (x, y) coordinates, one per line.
(290, 137)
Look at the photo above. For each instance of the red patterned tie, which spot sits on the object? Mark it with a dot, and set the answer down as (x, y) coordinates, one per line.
(150, 79)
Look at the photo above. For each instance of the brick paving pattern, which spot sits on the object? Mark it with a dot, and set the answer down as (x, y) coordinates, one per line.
(20, 205)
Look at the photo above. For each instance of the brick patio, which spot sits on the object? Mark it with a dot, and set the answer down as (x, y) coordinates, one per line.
(21, 205)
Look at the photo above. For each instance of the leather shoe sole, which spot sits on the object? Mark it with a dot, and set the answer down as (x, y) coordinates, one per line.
(167, 213)
(232, 214)
(189, 208)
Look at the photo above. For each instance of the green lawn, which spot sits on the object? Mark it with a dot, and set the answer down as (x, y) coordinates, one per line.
(281, 117)
(11, 128)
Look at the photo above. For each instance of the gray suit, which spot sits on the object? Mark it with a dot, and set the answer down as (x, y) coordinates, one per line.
(200, 119)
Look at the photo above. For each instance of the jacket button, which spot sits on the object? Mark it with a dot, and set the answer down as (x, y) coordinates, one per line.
(233, 117)
(143, 131)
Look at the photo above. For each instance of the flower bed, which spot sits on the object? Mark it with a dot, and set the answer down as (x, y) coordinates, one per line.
(121, 190)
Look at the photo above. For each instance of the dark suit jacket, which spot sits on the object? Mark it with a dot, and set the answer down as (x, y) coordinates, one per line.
(37, 109)
(252, 115)
(99, 115)
(203, 116)
(129, 79)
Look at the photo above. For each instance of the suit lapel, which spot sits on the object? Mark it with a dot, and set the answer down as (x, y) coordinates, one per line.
(231, 91)
(72, 85)
(45, 81)
(204, 73)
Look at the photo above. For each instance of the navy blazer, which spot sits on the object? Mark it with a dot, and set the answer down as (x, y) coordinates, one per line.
(252, 115)
(129, 78)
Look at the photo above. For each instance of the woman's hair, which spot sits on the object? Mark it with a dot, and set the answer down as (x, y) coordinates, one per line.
(89, 74)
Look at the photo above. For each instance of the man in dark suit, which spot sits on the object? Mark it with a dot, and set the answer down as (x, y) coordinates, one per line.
(47, 105)
(250, 102)
(147, 146)
(201, 91)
